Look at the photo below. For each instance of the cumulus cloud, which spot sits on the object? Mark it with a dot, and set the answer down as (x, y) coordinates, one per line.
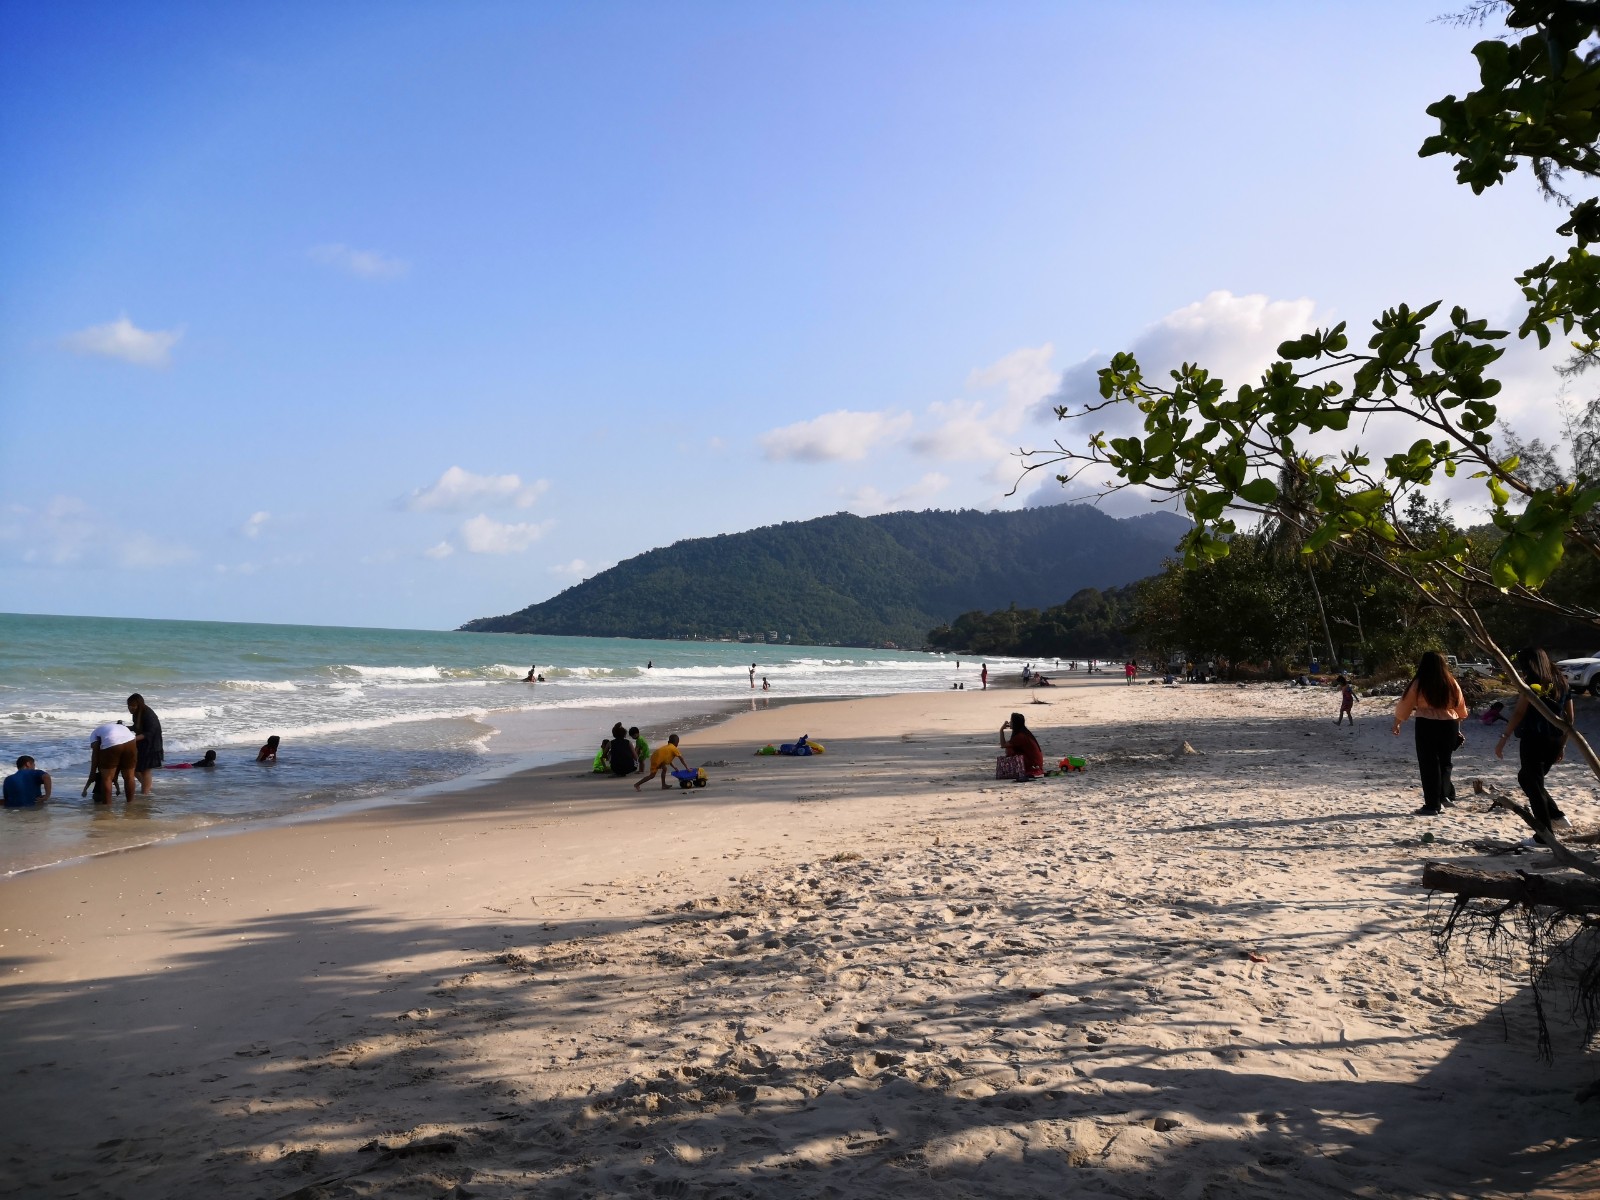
(483, 535)
(365, 264)
(986, 427)
(441, 550)
(65, 531)
(253, 527)
(458, 490)
(1234, 337)
(122, 339)
(578, 569)
(870, 500)
(833, 437)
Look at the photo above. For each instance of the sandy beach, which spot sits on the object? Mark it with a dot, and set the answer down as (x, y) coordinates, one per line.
(1204, 967)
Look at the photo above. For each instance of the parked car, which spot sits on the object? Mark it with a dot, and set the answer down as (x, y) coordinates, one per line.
(1582, 673)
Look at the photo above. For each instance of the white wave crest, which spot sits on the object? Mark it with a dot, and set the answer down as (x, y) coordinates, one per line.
(430, 673)
(260, 685)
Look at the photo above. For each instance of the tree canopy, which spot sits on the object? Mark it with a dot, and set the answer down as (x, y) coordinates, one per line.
(1337, 438)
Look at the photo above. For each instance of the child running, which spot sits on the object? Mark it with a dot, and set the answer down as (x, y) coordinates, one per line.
(661, 764)
(1347, 699)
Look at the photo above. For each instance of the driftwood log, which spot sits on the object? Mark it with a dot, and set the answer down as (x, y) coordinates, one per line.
(1577, 894)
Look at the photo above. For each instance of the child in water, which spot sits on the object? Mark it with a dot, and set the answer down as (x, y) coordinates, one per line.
(269, 752)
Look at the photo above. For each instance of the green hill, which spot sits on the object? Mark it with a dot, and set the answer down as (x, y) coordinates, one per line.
(855, 580)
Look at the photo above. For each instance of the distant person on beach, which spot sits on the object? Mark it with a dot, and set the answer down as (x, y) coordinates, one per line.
(752, 677)
(1540, 745)
(650, 666)
(641, 748)
(208, 762)
(1434, 697)
(661, 764)
(1494, 713)
(622, 760)
(1130, 669)
(765, 686)
(147, 736)
(1027, 673)
(983, 675)
(28, 787)
(1021, 741)
(269, 752)
(1347, 700)
(113, 755)
(602, 758)
(533, 675)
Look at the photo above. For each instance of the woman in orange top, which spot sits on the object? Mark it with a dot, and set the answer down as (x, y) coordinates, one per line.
(1434, 697)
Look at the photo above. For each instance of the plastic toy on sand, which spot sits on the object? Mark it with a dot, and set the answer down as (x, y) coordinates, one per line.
(689, 779)
(1073, 763)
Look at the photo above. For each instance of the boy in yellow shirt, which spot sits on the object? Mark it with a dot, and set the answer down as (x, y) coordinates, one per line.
(661, 761)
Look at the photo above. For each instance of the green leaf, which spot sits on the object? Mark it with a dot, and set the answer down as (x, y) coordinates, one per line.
(1259, 491)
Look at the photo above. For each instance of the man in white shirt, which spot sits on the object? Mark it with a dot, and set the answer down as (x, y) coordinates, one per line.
(112, 752)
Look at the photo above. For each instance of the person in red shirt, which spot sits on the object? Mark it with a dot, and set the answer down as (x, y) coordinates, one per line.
(1024, 743)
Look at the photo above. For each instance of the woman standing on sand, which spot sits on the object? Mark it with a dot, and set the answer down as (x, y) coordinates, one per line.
(1540, 745)
(1434, 697)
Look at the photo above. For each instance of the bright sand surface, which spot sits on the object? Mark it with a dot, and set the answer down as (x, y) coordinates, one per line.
(873, 972)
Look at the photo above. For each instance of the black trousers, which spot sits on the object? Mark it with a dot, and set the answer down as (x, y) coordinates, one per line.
(1537, 756)
(1436, 742)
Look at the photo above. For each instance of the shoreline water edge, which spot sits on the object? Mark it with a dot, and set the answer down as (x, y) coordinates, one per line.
(365, 716)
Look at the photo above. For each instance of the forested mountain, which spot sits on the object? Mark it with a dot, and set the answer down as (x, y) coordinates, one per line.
(855, 580)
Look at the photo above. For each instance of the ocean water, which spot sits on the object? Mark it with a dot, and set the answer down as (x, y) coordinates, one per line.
(361, 713)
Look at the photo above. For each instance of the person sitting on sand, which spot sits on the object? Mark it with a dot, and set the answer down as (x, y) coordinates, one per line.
(1024, 743)
(602, 758)
(269, 752)
(1042, 681)
(661, 764)
(28, 787)
(622, 761)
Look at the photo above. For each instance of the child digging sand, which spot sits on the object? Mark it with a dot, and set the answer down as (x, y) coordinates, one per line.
(661, 763)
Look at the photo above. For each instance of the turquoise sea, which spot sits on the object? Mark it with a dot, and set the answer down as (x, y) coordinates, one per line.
(361, 712)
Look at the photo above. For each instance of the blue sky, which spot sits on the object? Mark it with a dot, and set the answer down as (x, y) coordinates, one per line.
(405, 313)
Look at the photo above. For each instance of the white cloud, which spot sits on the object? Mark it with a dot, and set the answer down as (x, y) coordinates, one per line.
(577, 569)
(66, 532)
(122, 339)
(365, 264)
(832, 437)
(252, 528)
(870, 500)
(987, 428)
(457, 490)
(1233, 337)
(441, 550)
(482, 535)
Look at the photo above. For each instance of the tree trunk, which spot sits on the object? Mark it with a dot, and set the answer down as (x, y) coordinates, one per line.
(1333, 656)
(1567, 892)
